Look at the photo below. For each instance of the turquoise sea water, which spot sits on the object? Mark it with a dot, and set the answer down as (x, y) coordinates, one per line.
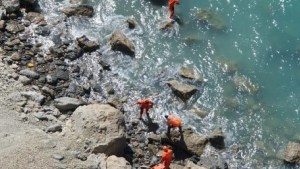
(261, 41)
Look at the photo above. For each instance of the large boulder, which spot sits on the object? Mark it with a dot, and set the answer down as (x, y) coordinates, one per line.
(183, 91)
(189, 141)
(80, 10)
(119, 42)
(292, 153)
(67, 103)
(103, 126)
(86, 44)
(11, 5)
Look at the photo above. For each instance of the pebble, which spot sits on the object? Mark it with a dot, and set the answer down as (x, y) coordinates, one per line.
(54, 128)
(58, 157)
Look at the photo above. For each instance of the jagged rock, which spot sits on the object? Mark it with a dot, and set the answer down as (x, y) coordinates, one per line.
(36, 18)
(54, 128)
(14, 27)
(67, 103)
(131, 23)
(191, 142)
(103, 126)
(2, 24)
(183, 91)
(86, 44)
(189, 73)
(292, 153)
(61, 75)
(11, 5)
(29, 73)
(83, 10)
(34, 96)
(104, 65)
(119, 42)
(209, 17)
(216, 139)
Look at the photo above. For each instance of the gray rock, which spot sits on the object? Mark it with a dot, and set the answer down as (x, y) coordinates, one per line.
(119, 42)
(86, 44)
(183, 91)
(58, 157)
(11, 5)
(2, 12)
(103, 122)
(51, 79)
(217, 138)
(41, 116)
(36, 18)
(292, 153)
(47, 91)
(67, 103)
(2, 24)
(54, 128)
(34, 96)
(14, 27)
(24, 80)
(29, 73)
(191, 142)
(131, 23)
(189, 73)
(80, 10)
(16, 56)
(115, 102)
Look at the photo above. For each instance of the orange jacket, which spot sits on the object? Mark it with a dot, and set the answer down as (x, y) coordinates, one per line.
(167, 155)
(145, 103)
(174, 121)
(173, 2)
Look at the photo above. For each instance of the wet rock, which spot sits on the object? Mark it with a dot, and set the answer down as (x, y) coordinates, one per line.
(80, 10)
(14, 27)
(36, 18)
(199, 112)
(67, 103)
(86, 44)
(209, 17)
(29, 73)
(42, 30)
(217, 138)
(131, 23)
(2, 24)
(189, 73)
(11, 5)
(183, 91)
(189, 141)
(292, 153)
(34, 96)
(24, 80)
(119, 42)
(103, 122)
(243, 84)
(104, 65)
(54, 128)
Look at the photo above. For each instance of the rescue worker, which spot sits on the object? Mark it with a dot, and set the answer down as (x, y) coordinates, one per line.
(171, 4)
(166, 157)
(145, 104)
(172, 122)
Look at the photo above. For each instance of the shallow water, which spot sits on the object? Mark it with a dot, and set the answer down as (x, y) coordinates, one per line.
(260, 41)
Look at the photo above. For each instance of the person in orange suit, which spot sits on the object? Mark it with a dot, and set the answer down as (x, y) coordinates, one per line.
(145, 104)
(166, 157)
(171, 7)
(172, 122)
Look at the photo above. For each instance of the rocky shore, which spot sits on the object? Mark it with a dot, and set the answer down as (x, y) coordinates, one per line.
(48, 121)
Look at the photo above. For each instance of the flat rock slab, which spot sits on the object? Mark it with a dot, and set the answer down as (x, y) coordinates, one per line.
(183, 91)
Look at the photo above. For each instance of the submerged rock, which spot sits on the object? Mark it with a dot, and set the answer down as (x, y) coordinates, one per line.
(86, 44)
(119, 42)
(209, 17)
(167, 25)
(183, 91)
(83, 10)
(217, 138)
(103, 126)
(244, 84)
(292, 153)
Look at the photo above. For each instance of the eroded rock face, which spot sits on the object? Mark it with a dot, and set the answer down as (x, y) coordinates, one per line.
(80, 10)
(103, 126)
(190, 142)
(119, 42)
(183, 91)
(292, 153)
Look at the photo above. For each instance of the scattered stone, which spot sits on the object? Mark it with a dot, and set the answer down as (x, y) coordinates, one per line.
(29, 73)
(183, 91)
(54, 128)
(292, 153)
(103, 122)
(104, 65)
(34, 96)
(24, 80)
(83, 10)
(11, 5)
(87, 45)
(67, 103)
(58, 157)
(14, 27)
(119, 42)
(41, 116)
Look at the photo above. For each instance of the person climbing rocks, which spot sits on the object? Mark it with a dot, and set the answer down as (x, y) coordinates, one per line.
(145, 104)
(166, 157)
(171, 4)
(172, 122)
